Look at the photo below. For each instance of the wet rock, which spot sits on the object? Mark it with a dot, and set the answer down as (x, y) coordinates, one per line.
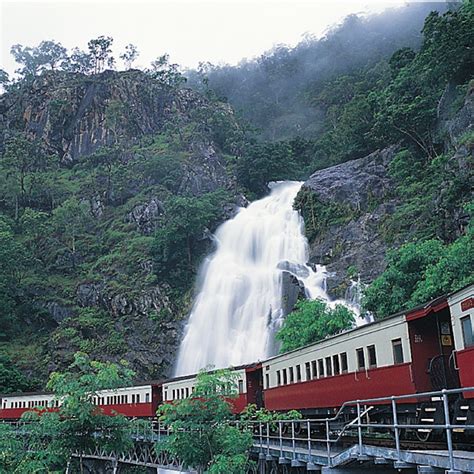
(294, 268)
(292, 290)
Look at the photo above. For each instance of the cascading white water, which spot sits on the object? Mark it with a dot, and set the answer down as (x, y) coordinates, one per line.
(239, 304)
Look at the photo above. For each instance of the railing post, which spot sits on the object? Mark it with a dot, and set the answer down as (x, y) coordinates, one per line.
(447, 423)
(260, 434)
(395, 426)
(293, 441)
(268, 438)
(359, 427)
(308, 424)
(328, 443)
(281, 439)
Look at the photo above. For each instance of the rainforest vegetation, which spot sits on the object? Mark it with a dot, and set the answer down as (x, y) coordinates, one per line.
(110, 236)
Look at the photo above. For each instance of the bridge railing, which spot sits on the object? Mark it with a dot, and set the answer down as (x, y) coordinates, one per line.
(310, 435)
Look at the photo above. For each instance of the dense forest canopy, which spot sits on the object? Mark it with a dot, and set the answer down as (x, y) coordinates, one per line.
(276, 91)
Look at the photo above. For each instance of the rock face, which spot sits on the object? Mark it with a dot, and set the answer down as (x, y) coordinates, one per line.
(146, 216)
(129, 143)
(364, 187)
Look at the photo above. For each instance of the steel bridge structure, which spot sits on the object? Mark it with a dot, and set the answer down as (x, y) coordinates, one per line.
(329, 445)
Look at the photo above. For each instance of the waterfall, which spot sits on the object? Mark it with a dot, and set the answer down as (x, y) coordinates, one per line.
(239, 307)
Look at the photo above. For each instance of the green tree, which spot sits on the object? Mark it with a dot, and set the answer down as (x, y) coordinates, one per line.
(200, 432)
(130, 55)
(80, 61)
(47, 55)
(176, 243)
(11, 379)
(22, 162)
(311, 321)
(419, 271)
(14, 261)
(100, 49)
(79, 426)
(166, 73)
(70, 219)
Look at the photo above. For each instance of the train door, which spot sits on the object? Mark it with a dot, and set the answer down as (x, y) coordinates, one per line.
(254, 386)
(432, 346)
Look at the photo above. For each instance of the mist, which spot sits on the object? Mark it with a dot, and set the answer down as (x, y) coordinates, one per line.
(272, 91)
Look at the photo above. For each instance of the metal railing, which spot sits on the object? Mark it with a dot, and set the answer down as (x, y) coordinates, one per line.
(308, 436)
(321, 438)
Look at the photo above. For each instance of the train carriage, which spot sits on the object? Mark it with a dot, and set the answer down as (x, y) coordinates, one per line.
(370, 361)
(12, 406)
(424, 349)
(248, 387)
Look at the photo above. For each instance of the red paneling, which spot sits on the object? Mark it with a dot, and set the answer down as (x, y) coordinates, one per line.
(334, 391)
(422, 312)
(465, 362)
(15, 413)
(130, 409)
(239, 403)
(467, 304)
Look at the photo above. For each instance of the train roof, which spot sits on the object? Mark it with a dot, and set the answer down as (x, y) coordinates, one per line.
(23, 394)
(190, 376)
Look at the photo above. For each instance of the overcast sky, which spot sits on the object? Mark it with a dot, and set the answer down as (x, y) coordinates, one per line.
(190, 31)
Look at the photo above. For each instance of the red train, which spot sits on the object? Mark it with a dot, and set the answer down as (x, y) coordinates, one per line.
(427, 348)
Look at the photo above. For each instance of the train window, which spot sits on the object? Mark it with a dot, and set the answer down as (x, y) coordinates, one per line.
(321, 367)
(397, 349)
(467, 333)
(267, 381)
(328, 367)
(314, 368)
(360, 359)
(241, 386)
(147, 397)
(291, 374)
(335, 364)
(138, 398)
(344, 367)
(298, 373)
(308, 370)
(285, 377)
(278, 377)
(372, 356)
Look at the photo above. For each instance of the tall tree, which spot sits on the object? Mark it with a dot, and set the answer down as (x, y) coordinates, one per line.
(130, 55)
(47, 55)
(101, 51)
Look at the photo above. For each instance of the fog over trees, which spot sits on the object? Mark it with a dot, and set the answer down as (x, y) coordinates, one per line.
(274, 92)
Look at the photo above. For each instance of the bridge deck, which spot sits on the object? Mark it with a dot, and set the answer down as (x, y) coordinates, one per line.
(463, 460)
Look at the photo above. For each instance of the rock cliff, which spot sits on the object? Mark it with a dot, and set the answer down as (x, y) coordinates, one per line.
(122, 145)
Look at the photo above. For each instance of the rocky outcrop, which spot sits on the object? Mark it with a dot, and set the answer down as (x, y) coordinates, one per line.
(363, 188)
(204, 172)
(146, 216)
(146, 321)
